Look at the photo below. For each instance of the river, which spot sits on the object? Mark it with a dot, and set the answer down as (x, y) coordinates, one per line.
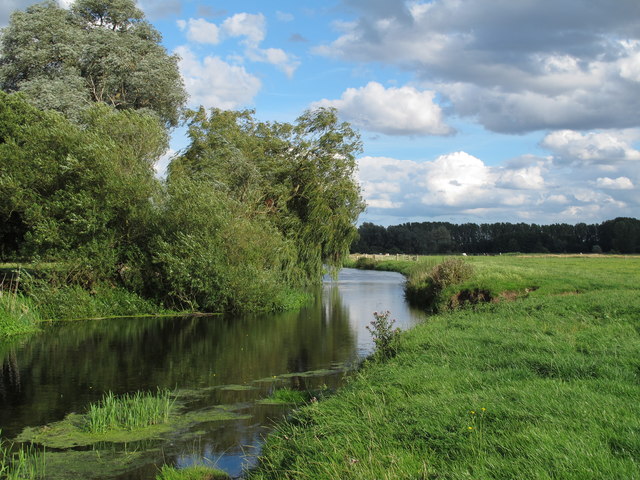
(232, 362)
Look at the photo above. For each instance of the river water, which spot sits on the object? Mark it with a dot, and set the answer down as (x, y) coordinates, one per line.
(228, 361)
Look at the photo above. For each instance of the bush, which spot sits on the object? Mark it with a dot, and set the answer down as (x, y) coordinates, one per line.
(385, 337)
(425, 285)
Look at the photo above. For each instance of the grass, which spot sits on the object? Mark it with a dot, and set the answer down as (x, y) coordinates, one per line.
(191, 473)
(26, 463)
(17, 312)
(129, 412)
(539, 385)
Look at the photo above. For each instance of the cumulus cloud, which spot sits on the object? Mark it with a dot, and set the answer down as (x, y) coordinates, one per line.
(515, 67)
(200, 31)
(212, 82)
(607, 147)
(250, 28)
(392, 111)
(461, 187)
(620, 183)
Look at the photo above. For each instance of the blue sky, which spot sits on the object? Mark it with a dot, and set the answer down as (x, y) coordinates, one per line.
(470, 111)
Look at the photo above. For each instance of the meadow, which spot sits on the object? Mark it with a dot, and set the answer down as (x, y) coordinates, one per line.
(533, 373)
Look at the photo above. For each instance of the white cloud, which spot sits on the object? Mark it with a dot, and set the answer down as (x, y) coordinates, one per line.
(620, 183)
(251, 26)
(393, 111)
(160, 167)
(277, 57)
(592, 147)
(461, 187)
(200, 31)
(212, 82)
(518, 67)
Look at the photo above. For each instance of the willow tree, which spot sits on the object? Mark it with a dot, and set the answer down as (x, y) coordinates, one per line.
(98, 51)
(300, 177)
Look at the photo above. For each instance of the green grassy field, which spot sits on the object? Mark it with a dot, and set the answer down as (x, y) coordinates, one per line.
(541, 382)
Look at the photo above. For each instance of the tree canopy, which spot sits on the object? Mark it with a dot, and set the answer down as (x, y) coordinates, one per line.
(98, 51)
(618, 235)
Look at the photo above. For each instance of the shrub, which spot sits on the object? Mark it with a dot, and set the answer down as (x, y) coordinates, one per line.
(425, 285)
(385, 337)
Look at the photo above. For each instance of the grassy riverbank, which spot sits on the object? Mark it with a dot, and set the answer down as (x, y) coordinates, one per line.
(540, 382)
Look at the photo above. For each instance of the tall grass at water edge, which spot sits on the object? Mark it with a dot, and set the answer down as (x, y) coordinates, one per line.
(18, 314)
(25, 463)
(191, 473)
(543, 385)
(129, 411)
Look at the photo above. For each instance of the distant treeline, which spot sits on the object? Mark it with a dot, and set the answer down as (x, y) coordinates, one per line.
(621, 235)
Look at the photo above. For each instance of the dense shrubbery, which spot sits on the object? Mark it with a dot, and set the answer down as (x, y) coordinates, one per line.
(247, 217)
(240, 226)
(427, 281)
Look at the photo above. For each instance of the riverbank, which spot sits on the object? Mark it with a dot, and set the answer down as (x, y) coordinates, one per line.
(27, 301)
(538, 381)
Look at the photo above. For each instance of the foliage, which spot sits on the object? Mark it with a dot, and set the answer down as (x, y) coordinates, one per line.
(426, 283)
(211, 254)
(385, 337)
(542, 387)
(129, 411)
(617, 235)
(98, 51)
(18, 313)
(72, 192)
(297, 177)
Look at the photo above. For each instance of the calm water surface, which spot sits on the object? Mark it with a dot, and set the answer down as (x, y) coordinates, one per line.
(230, 361)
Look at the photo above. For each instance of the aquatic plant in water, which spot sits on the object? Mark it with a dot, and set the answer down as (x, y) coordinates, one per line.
(129, 411)
(27, 463)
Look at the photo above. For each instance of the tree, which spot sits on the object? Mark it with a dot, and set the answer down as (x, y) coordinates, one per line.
(99, 51)
(298, 176)
(72, 191)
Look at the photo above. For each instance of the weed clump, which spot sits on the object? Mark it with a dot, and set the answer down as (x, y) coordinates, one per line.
(197, 472)
(425, 285)
(25, 463)
(385, 337)
(129, 411)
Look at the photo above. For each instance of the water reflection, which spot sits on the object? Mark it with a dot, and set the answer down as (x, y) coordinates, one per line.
(62, 370)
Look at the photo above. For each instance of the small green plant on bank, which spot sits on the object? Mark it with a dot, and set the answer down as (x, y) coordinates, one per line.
(129, 411)
(198, 472)
(385, 337)
(27, 463)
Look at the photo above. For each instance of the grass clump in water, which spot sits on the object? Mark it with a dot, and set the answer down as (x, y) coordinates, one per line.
(198, 472)
(27, 463)
(129, 411)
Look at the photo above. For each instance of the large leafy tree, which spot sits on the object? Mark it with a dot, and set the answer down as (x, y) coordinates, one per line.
(69, 191)
(298, 176)
(98, 51)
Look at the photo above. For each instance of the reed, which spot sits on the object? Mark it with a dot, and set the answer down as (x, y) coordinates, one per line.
(17, 313)
(129, 411)
(26, 463)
